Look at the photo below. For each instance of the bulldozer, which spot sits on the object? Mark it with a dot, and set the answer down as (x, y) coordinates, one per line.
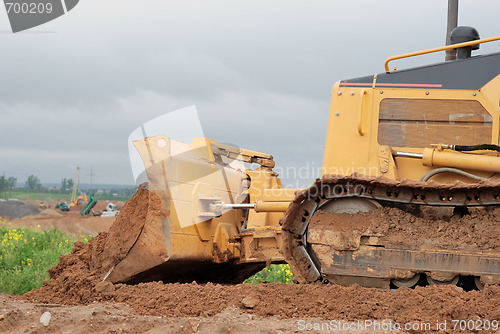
(402, 147)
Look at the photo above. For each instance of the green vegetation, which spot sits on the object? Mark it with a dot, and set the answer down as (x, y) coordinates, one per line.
(274, 273)
(41, 196)
(33, 190)
(27, 254)
(7, 185)
(111, 198)
(33, 183)
(24, 195)
(66, 186)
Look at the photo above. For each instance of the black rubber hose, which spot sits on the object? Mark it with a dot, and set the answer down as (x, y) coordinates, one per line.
(490, 147)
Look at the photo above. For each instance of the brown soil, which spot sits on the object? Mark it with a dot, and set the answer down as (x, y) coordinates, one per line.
(17, 316)
(123, 235)
(71, 223)
(135, 242)
(51, 212)
(77, 280)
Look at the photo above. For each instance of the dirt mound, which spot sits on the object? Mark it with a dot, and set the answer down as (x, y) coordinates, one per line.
(73, 279)
(51, 212)
(21, 317)
(78, 280)
(71, 223)
(75, 282)
(127, 231)
(16, 209)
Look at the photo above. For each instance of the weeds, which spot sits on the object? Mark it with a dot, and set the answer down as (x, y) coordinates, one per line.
(27, 254)
(274, 273)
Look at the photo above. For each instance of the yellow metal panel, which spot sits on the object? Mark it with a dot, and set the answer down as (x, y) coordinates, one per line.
(350, 137)
(351, 142)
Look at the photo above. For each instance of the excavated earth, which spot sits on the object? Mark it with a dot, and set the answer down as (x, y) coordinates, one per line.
(94, 305)
(16, 209)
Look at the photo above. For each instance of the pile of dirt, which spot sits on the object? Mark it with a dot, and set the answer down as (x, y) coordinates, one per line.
(75, 282)
(132, 240)
(18, 316)
(74, 278)
(70, 223)
(16, 209)
(78, 280)
(51, 212)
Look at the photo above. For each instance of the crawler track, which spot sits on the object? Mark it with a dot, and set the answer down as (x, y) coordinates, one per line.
(365, 249)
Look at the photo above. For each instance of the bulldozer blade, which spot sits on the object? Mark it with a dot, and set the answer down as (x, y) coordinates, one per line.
(166, 230)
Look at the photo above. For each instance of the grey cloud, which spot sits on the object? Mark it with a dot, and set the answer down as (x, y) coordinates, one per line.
(259, 72)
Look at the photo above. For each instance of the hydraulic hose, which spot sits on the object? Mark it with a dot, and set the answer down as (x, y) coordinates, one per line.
(463, 148)
(433, 172)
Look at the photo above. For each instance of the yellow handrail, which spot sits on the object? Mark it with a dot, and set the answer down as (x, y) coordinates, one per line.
(441, 48)
(361, 113)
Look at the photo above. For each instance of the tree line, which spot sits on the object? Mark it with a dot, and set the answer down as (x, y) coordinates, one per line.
(33, 183)
(7, 184)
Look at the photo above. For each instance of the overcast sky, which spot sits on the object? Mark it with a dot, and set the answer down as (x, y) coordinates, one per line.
(259, 72)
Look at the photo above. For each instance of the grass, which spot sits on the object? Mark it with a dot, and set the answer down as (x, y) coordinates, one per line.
(112, 198)
(274, 273)
(27, 254)
(41, 196)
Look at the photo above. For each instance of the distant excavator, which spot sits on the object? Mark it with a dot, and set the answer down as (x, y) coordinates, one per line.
(81, 199)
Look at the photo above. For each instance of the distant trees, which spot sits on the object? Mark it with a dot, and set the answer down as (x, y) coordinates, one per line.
(66, 185)
(3, 184)
(7, 184)
(33, 183)
(11, 183)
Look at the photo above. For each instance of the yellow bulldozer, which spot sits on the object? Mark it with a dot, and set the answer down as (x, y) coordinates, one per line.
(406, 151)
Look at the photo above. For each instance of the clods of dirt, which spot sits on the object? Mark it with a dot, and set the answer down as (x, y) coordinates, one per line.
(17, 316)
(75, 281)
(78, 279)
